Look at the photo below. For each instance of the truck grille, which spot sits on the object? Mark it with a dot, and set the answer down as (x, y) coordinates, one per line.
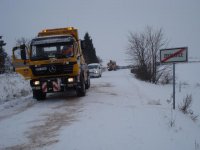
(52, 69)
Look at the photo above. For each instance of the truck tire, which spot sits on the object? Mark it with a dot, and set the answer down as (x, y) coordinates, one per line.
(39, 95)
(81, 90)
(87, 85)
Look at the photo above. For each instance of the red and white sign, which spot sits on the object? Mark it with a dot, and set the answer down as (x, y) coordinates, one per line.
(56, 86)
(44, 87)
(174, 55)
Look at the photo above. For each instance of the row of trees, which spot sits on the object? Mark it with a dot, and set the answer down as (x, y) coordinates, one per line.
(143, 52)
(3, 56)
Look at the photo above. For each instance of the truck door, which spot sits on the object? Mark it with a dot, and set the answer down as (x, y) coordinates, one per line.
(20, 60)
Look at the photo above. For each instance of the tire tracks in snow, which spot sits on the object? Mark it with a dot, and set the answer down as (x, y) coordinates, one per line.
(45, 132)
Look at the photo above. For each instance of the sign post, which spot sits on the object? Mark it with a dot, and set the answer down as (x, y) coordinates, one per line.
(174, 83)
(174, 55)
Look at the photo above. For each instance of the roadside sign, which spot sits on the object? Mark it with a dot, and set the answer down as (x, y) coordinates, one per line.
(174, 55)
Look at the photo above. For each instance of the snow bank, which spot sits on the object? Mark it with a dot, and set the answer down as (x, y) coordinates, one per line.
(13, 86)
(188, 73)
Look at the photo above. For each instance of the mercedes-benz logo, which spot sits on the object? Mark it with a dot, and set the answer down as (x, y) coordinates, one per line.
(52, 69)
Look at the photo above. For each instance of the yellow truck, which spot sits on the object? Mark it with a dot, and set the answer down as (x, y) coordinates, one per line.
(53, 63)
(111, 65)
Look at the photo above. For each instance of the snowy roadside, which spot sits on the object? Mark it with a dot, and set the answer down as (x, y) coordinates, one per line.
(13, 86)
(15, 94)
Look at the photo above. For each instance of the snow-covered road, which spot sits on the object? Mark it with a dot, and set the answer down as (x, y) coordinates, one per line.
(118, 112)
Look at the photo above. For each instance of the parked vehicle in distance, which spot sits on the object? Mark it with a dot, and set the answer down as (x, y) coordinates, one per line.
(95, 70)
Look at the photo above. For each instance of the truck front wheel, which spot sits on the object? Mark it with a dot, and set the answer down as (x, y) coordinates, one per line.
(87, 85)
(81, 90)
(39, 95)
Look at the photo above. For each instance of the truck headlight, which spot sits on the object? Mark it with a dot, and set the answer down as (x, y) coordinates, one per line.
(70, 80)
(36, 82)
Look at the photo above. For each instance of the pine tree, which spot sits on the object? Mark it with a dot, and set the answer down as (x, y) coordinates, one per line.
(89, 51)
(3, 55)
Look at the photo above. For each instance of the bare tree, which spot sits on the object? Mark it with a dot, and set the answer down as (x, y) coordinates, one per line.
(143, 51)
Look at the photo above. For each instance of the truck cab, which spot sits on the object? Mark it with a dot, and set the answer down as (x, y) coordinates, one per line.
(54, 63)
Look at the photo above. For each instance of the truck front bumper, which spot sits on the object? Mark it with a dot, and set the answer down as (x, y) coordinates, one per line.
(50, 85)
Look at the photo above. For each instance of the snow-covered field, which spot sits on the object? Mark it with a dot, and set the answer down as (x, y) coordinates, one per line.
(118, 112)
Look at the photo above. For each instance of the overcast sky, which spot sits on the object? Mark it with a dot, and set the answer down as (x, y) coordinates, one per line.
(107, 21)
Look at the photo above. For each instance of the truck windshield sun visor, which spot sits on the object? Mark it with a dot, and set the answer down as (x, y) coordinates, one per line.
(50, 40)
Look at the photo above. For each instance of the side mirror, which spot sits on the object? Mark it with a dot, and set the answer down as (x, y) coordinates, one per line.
(23, 54)
(23, 51)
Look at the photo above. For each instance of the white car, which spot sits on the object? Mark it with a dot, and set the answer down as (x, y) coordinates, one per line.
(95, 70)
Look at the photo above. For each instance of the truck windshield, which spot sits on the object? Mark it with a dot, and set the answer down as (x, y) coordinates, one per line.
(41, 50)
